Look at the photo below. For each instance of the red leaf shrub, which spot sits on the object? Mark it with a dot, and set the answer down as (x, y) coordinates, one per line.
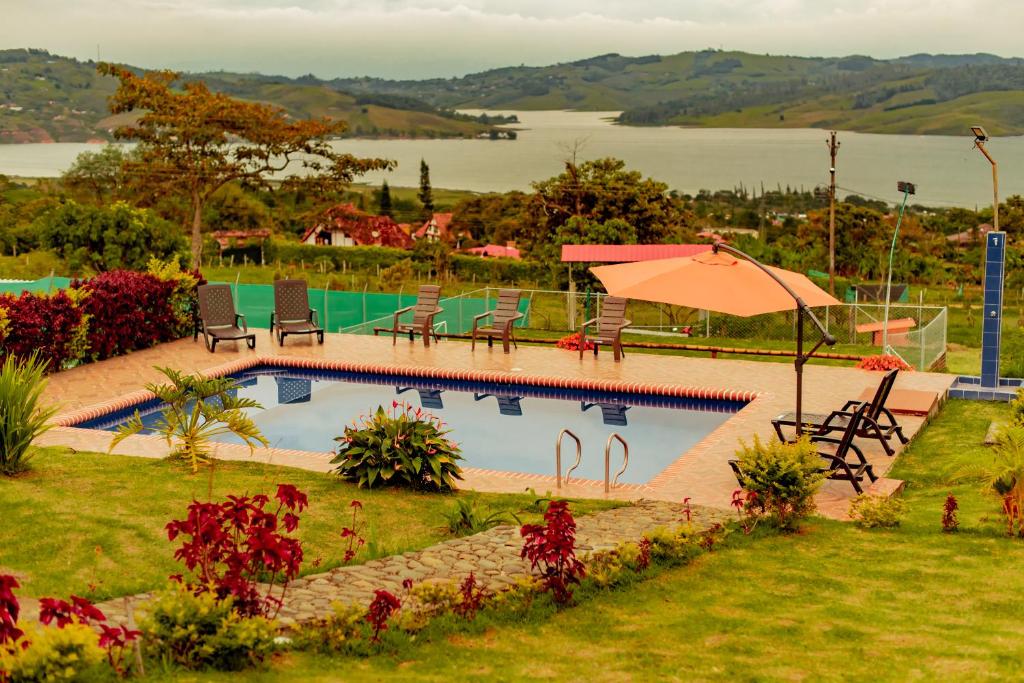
(553, 547)
(950, 521)
(233, 546)
(9, 609)
(571, 342)
(46, 324)
(884, 362)
(128, 311)
(472, 596)
(353, 533)
(383, 605)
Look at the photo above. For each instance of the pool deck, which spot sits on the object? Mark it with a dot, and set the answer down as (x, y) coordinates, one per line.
(701, 474)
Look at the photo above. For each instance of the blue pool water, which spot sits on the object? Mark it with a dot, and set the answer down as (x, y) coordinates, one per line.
(506, 427)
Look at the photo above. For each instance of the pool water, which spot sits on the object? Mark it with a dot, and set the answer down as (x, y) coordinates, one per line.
(505, 427)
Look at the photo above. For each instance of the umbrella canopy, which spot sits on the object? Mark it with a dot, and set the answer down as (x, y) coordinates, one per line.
(711, 281)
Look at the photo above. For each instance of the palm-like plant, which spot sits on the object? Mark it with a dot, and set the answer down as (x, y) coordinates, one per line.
(198, 409)
(1004, 476)
(22, 418)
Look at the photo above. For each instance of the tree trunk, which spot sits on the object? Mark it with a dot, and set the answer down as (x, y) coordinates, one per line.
(197, 235)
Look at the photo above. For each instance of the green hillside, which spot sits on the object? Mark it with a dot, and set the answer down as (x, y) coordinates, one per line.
(46, 98)
(919, 94)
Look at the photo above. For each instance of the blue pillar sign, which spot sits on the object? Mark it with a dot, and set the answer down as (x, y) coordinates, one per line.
(995, 265)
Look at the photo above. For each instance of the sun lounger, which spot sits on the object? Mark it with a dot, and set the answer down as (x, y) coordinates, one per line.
(878, 423)
(292, 314)
(218, 320)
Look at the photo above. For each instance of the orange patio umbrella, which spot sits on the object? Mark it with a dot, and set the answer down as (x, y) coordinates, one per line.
(725, 280)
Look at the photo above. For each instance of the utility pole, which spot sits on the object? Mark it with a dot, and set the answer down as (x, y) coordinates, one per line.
(833, 149)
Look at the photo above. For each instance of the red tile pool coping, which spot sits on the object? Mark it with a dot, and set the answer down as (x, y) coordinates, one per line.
(644, 388)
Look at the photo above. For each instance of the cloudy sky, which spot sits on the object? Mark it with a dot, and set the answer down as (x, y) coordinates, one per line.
(422, 38)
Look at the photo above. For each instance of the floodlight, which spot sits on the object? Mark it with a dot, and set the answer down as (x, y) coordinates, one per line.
(979, 134)
(904, 186)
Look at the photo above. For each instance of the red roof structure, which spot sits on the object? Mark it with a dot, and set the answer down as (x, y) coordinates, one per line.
(494, 251)
(627, 253)
(344, 225)
(225, 238)
(435, 228)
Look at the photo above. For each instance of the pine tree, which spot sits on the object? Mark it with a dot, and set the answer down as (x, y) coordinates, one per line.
(385, 200)
(426, 195)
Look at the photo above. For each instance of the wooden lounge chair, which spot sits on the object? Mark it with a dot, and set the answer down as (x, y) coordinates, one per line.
(218, 320)
(503, 319)
(878, 423)
(423, 313)
(837, 465)
(292, 314)
(609, 327)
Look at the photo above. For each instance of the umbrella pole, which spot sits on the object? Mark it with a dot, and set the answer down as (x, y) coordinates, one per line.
(799, 363)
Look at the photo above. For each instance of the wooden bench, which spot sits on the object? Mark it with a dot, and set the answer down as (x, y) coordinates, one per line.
(898, 330)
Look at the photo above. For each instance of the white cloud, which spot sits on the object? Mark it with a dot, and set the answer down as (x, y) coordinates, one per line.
(420, 38)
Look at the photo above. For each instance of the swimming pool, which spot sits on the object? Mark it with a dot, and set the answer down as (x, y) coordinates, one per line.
(507, 427)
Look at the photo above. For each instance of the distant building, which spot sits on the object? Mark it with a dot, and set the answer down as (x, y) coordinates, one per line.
(438, 228)
(496, 251)
(970, 236)
(346, 226)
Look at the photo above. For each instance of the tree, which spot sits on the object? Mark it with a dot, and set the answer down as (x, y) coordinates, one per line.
(102, 238)
(425, 195)
(193, 141)
(100, 175)
(384, 202)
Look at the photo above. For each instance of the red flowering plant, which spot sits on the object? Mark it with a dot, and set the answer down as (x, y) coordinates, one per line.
(405, 446)
(382, 607)
(950, 520)
(572, 341)
(884, 362)
(128, 311)
(552, 548)
(234, 546)
(353, 535)
(50, 326)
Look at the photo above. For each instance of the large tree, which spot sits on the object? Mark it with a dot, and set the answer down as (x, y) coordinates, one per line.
(193, 141)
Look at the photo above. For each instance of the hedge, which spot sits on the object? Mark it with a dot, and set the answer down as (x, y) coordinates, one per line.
(109, 315)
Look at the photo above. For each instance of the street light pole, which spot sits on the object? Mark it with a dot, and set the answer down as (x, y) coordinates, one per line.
(907, 189)
(833, 149)
(980, 138)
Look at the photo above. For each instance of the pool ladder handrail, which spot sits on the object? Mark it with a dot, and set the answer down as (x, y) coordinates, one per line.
(607, 460)
(558, 456)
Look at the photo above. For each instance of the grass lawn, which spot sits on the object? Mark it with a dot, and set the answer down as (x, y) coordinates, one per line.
(90, 519)
(832, 603)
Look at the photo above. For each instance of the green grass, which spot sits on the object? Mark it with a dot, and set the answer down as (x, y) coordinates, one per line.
(831, 603)
(88, 519)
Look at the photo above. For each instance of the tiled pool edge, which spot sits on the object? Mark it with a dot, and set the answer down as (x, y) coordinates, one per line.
(125, 401)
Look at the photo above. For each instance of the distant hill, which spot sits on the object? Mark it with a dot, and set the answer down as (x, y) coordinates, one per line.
(47, 98)
(917, 94)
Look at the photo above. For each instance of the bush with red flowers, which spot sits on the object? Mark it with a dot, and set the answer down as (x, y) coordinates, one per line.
(571, 342)
(884, 362)
(236, 547)
(552, 547)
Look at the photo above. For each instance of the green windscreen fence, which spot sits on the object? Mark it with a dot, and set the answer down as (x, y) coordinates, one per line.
(350, 312)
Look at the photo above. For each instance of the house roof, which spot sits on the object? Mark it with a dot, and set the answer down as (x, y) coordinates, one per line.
(495, 251)
(627, 253)
(968, 236)
(441, 220)
(224, 237)
(363, 228)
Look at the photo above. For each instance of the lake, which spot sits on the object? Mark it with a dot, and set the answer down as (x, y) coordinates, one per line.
(947, 170)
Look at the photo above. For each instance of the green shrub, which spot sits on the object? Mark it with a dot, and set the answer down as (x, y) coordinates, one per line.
(783, 479)
(22, 418)
(869, 512)
(466, 518)
(1017, 407)
(71, 653)
(200, 631)
(406, 447)
(342, 632)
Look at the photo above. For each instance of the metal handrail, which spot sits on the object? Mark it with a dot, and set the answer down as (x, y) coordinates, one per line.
(607, 460)
(558, 457)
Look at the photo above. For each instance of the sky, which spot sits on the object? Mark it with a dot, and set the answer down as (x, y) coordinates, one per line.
(429, 38)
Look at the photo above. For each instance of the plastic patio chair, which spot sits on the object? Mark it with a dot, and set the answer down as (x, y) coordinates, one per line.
(218, 320)
(503, 319)
(292, 313)
(423, 313)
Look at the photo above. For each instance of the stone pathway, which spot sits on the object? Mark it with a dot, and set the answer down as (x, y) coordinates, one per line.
(493, 556)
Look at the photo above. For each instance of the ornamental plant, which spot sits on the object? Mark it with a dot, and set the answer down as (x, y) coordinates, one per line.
(783, 478)
(382, 607)
(22, 416)
(1017, 408)
(950, 520)
(241, 550)
(50, 326)
(871, 512)
(198, 410)
(572, 342)
(884, 362)
(551, 547)
(127, 311)
(402, 447)
(1005, 476)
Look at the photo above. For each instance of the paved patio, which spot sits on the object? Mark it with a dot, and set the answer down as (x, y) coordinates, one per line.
(702, 473)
